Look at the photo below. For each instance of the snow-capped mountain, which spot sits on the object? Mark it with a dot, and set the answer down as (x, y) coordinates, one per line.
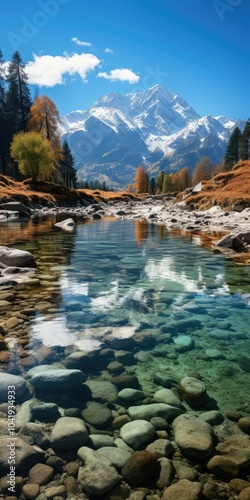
(155, 127)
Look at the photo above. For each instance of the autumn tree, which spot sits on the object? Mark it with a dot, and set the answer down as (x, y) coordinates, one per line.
(45, 119)
(204, 170)
(232, 154)
(33, 154)
(245, 142)
(141, 180)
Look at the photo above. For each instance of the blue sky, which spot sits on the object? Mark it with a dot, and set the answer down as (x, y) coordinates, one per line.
(78, 50)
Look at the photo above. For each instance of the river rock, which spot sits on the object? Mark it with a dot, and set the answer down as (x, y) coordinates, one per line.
(146, 412)
(223, 467)
(36, 433)
(193, 391)
(193, 436)
(41, 474)
(16, 258)
(44, 411)
(101, 440)
(237, 449)
(31, 491)
(66, 225)
(68, 433)
(138, 467)
(165, 473)
(164, 379)
(102, 390)
(137, 433)
(212, 417)
(130, 395)
(25, 456)
(17, 384)
(244, 424)
(97, 478)
(161, 448)
(116, 456)
(183, 490)
(97, 414)
(166, 396)
(184, 471)
(23, 415)
(58, 380)
(183, 343)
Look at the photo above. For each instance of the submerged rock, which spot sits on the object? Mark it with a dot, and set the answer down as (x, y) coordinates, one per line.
(138, 467)
(193, 436)
(58, 380)
(13, 383)
(137, 433)
(193, 391)
(16, 258)
(68, 433)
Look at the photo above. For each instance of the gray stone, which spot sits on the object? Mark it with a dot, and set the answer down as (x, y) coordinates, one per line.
(165, 474)
(25, 456)
(164, 379)
(43, 368)
(183, 343)
(159, 423)
(102, 390)
(44, 411)
(193, 436)
(97, 414)
(66, 225)
(36, 433)
(101, 440)
(193, 391)
(41, 474)
(58, 380)
(97, 478)
(183, 490)
(18, 258)
(130, 395)
(161, 448)
(137, 433)
(17, 384)
(212, 417)
(52, 492)
(184, 471)
(23, 415)
(214, 354)
(166, 396)
(68, 433)
(146, 412)
(116, 456)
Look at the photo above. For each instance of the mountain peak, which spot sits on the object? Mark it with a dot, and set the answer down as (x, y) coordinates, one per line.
(154, 127)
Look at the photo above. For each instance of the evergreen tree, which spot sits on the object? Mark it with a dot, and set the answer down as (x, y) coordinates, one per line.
(67, 169)
(152, 185)
(18, 93)
(159, 181)
(245, 142)
(167, 184)
(232, 155)
(3, 139)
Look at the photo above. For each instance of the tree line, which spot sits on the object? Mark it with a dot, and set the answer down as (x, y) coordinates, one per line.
(30, 139)
(238, 149)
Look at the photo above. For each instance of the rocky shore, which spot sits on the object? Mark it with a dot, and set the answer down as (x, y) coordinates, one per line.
(85, 426)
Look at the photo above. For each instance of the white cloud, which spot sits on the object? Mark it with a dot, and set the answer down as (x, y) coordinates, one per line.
(49, 71)
(79, 42)
(109, 51)
(122, 75)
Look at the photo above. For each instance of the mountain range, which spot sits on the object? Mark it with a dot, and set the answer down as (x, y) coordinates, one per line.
(155, 128)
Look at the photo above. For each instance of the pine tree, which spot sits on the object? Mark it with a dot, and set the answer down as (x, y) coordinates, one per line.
(232, 155)
(3, 138)
(245, 142)
(167, 184)
(152, 185)
(18, 93)
(67, 169)
(159, 181)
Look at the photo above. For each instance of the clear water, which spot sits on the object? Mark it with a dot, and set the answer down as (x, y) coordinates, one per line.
(136, 277)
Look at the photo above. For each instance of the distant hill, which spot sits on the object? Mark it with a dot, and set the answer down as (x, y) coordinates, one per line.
(155, 127)
(230, 190)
